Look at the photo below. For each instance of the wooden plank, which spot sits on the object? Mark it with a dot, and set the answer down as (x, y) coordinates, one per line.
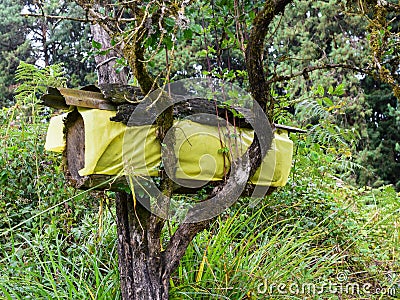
(63, 98)
(86, 99)
(290, 128)
(54, 99)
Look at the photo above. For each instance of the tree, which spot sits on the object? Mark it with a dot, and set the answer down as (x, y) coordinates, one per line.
(14, 47)
(380, 151)
(56, 36)
(325, 33)
(43, 41)
(146, 269)
(140, 30)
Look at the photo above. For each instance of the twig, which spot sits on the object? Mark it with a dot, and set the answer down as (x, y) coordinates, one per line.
(106, 61)
(279, 78)
(87, 20)
(58, 17)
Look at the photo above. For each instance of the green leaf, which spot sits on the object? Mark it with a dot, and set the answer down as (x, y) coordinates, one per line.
(202, 53)
(168, 42)
(339, 90)
(188, 34)
(196, 28)
(169, 22)
(328, 101)
(330, 90)
(320, 90)
(96, 45)
(104, 52)
(152, 41)
(121, 61)
(314, 156)
(223, 150)
(211, 50)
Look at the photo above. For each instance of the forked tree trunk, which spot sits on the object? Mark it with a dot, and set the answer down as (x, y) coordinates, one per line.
(144, 269)
(139, 251)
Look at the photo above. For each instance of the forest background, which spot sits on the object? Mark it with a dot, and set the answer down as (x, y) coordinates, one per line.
(336, 221)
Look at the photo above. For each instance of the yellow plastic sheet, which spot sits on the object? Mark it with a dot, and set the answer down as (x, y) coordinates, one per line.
(55, 140)
(202, 151)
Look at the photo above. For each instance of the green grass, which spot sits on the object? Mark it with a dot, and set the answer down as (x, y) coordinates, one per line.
(250, 254)
(318, 231)
(55, 268)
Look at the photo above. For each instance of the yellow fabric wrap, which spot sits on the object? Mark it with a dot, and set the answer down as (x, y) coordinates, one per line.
(202, 151)
(200, 155)
(55, 140)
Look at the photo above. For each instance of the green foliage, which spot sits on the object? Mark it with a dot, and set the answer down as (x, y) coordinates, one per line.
(67, 41)
(34, 81)
(24, 163)
(235, 261)
(23, 160)
(44, 41)
(198, 49)
(52, 243)
(80, 265)
(379, 152)
(309, 233)
(13, 47)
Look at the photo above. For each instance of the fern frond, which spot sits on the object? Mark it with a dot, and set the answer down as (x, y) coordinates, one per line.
(310, 108)
(34, 80)
(345, 165)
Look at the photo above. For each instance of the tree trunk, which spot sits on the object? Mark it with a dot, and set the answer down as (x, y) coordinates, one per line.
(143, 273)
(139, 255)
(106, 72)
(144, 269)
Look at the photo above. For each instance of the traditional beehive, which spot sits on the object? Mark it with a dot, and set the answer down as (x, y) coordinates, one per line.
(92, 134)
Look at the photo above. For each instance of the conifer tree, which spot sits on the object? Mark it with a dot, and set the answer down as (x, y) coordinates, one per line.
(14, 46)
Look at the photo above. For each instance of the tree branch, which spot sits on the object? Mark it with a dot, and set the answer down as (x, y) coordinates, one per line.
(255, 50)
(104, 62)
(86, 20)
(280, 78)
(58, 18)
(259, 88)
(178, 244)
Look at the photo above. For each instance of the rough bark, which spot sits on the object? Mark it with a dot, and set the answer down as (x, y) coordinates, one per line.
(259, 88)
(139, 232)
(255, 51)
(140, 261)
(106, 72)
(144, 269)
(139, 251)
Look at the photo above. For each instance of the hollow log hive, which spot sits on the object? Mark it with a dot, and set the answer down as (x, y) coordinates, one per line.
(122, 101)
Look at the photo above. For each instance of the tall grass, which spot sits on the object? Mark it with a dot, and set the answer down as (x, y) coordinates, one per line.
(57, 243)
(55, 268)
(245, 257)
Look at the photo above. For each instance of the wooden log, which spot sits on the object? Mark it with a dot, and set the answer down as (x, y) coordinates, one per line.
(196, 109)
(74, 153)
(74, 160)
(112, 95)
(121, 94)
